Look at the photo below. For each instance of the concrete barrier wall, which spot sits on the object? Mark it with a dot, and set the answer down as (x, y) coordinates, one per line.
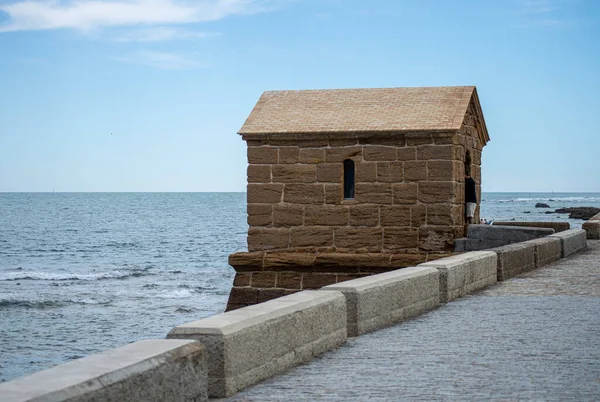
(592, 227)
(462, 274)
(514, 259)
(484, 237)
(557, 226)
(571, 241)
(378, 301)
(253, 343)
(547, 250)
(150, 370)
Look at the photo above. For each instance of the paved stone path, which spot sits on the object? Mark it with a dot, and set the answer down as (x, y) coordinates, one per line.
(534, 337)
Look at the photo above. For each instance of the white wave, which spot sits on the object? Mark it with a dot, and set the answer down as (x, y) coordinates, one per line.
(551, 199)
(56, 276)
(41, 303)
(89, 300)
(176, 294)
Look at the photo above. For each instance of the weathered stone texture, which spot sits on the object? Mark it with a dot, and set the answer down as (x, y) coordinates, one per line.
(376, 193)
(288, 215)
(294, 173)
(439, 215)
(151, 370)
(333, 193)
(427, 152)
(391, 172)
(312, 155)
(441, 171)
(264, 193)
(364, 215)
(436, 191)
(396, 239)
(260, 214)
(395, 215)
(263, 155)
(366, 172)
(415, 171)
(351, 239)
(406, 154)
(289, 154)
(326, 215)
(267, 238)
(287, 261)
(304, 194)
(330, 172)
(312, 236)
(405, 193)
(343, 153)
(259, 173)
(378, 153)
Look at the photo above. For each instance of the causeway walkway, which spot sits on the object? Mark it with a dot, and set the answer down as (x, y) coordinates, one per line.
(533, 337)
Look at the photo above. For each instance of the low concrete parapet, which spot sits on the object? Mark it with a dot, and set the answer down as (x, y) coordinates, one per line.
(250, 344)
(557, 226)
(464, 273)
(592, 227)
(150, 370)
(514, 259)
(381, 300)
(547, 250)
(483, 237)
(571, 241)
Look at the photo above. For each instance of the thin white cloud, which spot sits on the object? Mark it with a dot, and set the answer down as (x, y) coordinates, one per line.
(538, 6)
(550, 13)
(87, 15)
(157, 34)
(161, 60)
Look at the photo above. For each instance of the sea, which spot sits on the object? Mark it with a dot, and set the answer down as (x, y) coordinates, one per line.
(84, 272)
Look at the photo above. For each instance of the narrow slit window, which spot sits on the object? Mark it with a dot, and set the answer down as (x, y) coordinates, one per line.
(348, 179)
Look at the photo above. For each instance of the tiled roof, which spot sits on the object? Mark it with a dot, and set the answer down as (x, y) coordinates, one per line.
(364, 110)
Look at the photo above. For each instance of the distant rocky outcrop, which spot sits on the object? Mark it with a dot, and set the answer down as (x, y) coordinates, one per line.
(542, 205)
(578, 212)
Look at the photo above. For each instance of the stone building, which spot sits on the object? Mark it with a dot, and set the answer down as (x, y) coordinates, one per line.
(351, 182)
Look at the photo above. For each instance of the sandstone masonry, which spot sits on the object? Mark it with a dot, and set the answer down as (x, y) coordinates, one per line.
(408, 204)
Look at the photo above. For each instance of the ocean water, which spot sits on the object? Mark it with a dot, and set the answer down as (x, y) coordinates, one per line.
(84, 272)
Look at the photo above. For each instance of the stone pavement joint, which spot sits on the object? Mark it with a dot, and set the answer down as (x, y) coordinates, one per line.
(532, 337)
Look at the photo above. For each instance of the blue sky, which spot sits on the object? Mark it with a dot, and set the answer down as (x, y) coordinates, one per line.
(148, 95)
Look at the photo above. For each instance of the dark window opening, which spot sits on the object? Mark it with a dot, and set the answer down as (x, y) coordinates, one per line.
(348, 179)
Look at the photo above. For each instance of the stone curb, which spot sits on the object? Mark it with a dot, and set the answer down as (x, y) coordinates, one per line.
(572, 241)
(514, 259)
(248, 345)
(378, 301)
(149, 370)
(464, 273)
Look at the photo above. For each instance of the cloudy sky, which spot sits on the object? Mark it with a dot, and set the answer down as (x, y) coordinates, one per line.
(147, 95)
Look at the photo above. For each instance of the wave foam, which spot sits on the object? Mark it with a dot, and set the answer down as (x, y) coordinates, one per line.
(55, 276)
(44, 304)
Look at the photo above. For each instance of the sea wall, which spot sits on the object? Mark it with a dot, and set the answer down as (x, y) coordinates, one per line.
(571, 241)
(150, 370)
(592, 227)
(248, 345)
(379, 301)
(220, 355)
(464, 273)
(557, 226)
(483, 237)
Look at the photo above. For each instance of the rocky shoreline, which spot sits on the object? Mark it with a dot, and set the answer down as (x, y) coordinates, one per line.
(584, 213)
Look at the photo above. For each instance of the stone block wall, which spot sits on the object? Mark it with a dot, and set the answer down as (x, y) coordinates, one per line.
(409, 194)
(408, 206)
